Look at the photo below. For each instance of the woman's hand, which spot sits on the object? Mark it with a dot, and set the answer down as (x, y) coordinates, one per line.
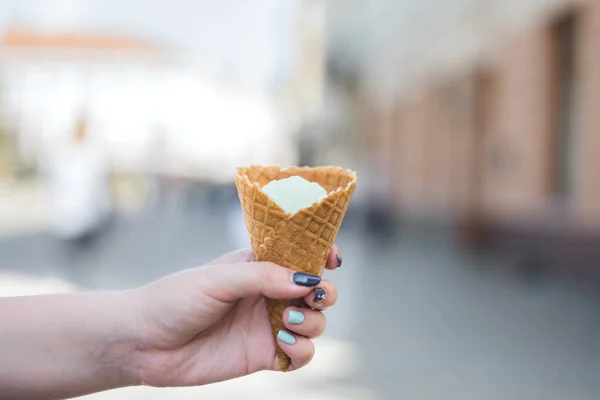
(196, 327)
(210, 324)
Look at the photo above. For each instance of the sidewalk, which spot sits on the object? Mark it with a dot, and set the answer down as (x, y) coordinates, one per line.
(416, 318)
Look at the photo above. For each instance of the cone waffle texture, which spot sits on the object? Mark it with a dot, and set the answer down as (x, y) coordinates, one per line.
(302, 241)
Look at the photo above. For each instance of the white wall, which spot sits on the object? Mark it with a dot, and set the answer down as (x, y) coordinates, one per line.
(206, 126)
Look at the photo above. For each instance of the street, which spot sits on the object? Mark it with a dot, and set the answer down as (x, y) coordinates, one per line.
(416, 320)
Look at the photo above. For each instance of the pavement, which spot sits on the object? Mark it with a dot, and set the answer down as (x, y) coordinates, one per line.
(416, 319)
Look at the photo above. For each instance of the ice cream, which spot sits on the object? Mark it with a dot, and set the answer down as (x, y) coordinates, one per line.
(301, 240)
(294, 193)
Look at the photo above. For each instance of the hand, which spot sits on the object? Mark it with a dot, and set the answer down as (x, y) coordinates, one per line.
(210, 324)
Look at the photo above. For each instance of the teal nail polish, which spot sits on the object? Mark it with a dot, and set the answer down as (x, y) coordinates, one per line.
(286, 337)
(295, 317)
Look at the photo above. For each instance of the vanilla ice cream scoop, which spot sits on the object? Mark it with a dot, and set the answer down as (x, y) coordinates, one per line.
(294, 193)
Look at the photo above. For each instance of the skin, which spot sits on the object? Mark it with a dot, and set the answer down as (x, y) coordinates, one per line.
(195, 327)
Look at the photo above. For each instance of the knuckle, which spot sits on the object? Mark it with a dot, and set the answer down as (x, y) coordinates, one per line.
(320, 325)
(247, 255)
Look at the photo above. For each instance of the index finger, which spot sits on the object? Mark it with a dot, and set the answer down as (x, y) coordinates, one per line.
(335, 258)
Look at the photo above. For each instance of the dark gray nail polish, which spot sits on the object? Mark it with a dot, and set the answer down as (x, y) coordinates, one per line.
(320, 295)
(338, 257)
(302, 279)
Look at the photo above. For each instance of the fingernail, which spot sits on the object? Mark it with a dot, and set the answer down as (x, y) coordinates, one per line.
(338, 257)
(295, 317)
(302, 279)
(286, 337)
(320, 295)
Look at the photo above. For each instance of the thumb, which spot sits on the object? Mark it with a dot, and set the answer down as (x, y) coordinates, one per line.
(231, 282)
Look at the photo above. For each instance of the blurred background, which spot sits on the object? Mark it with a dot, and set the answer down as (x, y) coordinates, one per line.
(472, 245)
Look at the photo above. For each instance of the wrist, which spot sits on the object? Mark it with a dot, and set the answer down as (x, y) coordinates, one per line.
(116, 356)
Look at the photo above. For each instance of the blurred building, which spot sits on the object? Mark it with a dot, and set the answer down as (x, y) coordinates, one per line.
(482, 114)
(136, 97)
(50, 81)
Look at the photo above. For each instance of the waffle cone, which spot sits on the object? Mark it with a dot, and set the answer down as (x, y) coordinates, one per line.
(302, 241)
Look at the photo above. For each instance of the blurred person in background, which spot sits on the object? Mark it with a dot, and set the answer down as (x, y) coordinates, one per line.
(158, 182)
(80, 195)
(379, 218)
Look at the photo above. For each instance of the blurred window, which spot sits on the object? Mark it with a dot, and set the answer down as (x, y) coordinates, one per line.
(567, 123)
